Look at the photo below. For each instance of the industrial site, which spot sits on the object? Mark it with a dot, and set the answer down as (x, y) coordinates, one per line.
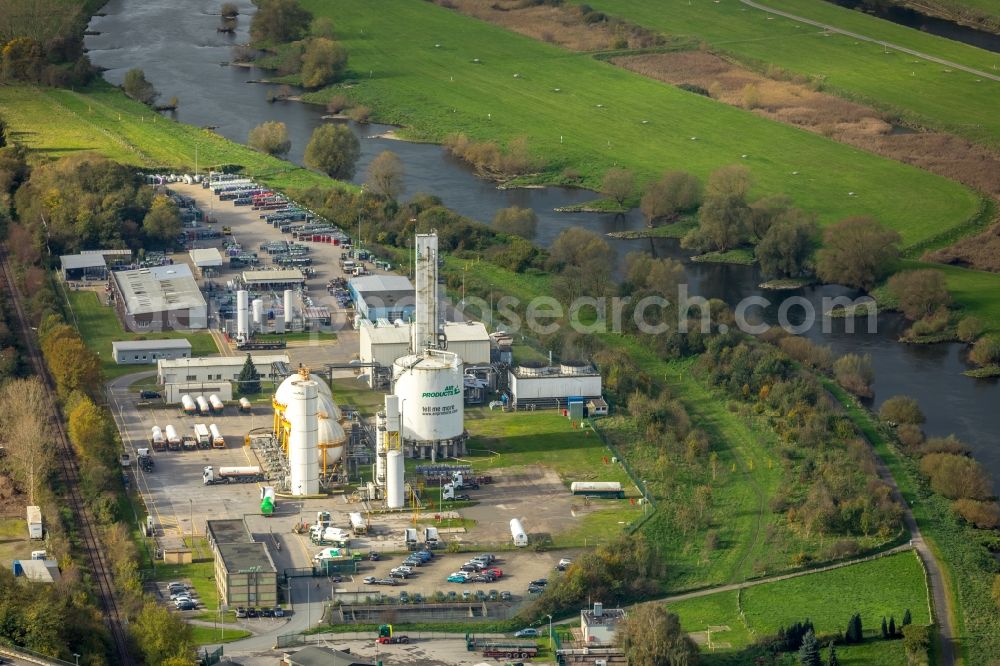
(328, 511)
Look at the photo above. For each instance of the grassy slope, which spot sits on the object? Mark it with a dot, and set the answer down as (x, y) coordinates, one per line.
(99, 327)
(435, 91)
(59, 122)
(920, 90)
(886, 586)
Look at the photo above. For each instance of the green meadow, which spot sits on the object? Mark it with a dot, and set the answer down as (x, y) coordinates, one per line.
(920, 90)
(419, 70)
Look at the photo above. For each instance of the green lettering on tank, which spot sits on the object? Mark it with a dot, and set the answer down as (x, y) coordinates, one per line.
(448, 391)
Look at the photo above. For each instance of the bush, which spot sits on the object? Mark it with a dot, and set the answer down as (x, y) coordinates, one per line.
(986, 351)
(279, 21)
(855, 374)
(360, 114)
(271, 138)
(970, 328)
(804, 351)
(919, 293)
(138, 88)
(984, 515)
(949, 444)
(901, 409)
(857, 252)
(323, 62)
(910, 436)
(337, 104)
(334, 150)
(956, 477)
(516, 221)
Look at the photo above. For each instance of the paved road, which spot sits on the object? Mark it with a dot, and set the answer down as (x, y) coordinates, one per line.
(889, 45)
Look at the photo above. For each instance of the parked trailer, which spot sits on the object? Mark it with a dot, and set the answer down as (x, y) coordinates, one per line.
(34, 516)
(202, 434)
(187, 403)
(506, 648)
(358, 523)
(157, 440)
(215, 404)
(173, 439)
(431, 537)
(218, 441)
(518, 534)
(231, 475)
(611, 489)
(245, 405)
(203, 406)
(410, 537)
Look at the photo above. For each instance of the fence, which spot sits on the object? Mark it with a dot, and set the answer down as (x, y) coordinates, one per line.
(639, 483)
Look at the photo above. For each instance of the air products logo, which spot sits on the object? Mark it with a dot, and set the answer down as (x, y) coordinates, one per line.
(448, 391)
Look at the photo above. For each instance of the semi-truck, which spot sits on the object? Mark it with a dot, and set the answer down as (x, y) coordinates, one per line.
(431, 537)
(358, 523)
(218, 441)
(202, 434)
(335, 536)
(145, 459)
(215, 404)
(245, 405)
(518, 534)
(157, 440)
(267, 500)
(410, 537)
(173, 439)
(203, 406)
(610, 489)
(249, 474)
(188, 405)
(502, 648)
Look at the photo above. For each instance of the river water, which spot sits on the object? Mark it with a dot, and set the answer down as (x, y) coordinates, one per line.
(175, 42)
(935, 26)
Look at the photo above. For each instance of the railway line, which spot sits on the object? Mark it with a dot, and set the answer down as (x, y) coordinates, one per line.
(99, 566)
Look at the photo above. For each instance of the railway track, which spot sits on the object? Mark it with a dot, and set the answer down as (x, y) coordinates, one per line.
(100, 568)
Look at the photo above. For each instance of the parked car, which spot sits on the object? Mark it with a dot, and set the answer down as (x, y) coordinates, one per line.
(540, 582)
(535, 589)
(149, 395)
(374, 557)
(505, 596)
(480, 595)
(386, 581)
(279, 611)
(186, 606)
(418, 598)
(527, 632)
(456, 579)
(241, 612)
(398, 574)
(182, 599)
(336, 579)
(563, 563)
(495, 572)
(405, 569)
(252, 612)
(368, 580)
(404, 597)
(267, 612)
(176, 585)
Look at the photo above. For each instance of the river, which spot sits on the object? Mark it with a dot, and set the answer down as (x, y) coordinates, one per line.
(175, 42)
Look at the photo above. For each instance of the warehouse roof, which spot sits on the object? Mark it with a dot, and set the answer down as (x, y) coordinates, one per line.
(245, 557)
(38, 571)
(387, 335)
(144, 345)
(208, 257)
(315, 655)
(158, 289)
(215, 361)
(77, 261)
(271, 277)
(232, 530)
(370, 284)
(466, 331)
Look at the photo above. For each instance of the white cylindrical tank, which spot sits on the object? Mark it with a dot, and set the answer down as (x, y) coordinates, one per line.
(203, 406)
(431, 384)
(258, 314)
(303, 459)
(171, 433)
(215, 403)
(395, 496)
(289, 308)
(242, 314)
(517, 533)
(380, 470)
(216, 433)
(245, 405)
(157, 435)
(187, 402)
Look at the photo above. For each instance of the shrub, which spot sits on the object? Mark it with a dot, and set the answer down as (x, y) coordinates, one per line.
(949, 444)
(984, 515)
(955, 477)
(920, 293)
(360, 114)
(337, 104)
(270, 137)
(901, 409)
(986, 351)
(855, 373)
(857, 252)
(910, 436)
(970, 328)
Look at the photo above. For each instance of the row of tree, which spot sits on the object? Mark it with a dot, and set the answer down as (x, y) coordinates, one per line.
(305, 46)
(42, 42)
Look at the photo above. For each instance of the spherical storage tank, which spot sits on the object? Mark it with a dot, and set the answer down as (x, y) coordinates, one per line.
(429, 387)
(331, 439)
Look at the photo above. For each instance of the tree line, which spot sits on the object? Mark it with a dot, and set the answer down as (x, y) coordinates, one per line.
(41, 42)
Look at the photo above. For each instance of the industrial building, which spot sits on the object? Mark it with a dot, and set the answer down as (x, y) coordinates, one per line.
(245, 574)
(159, 299)
(547, 387)
(37, 571)
(217, 368)
(323, 656)
(385, 341)
(172, 392)
(76, 267)
(137, 352)
(598, 624)
(377, 297)
(206, 259)
(288, 278)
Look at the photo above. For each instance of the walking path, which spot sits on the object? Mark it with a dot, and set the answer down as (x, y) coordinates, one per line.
(888, 45)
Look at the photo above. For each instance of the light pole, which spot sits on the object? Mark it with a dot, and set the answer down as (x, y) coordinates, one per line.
(191, 505)
(550, 631)
(77, 658)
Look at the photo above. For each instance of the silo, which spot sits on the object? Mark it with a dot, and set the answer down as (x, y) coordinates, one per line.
(395, 496)
(258, 314)
(303, 460)
(289, 308)
(242, 314)
(430, 387)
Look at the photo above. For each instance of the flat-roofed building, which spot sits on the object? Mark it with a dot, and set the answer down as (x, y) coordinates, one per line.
(599, 623)
(287, 278)
(216, 368)
(137, 352)
(383, 297)
(161, 298)
(245, 574)
(206, 258)
(83, 267)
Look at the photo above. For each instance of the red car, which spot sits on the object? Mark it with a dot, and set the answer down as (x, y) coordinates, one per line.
(498, 573)
(383, 640)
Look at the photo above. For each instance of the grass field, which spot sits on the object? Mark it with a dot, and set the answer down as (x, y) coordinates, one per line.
(99, 327)
(59, 122)
(210, 635)
(921, 90)
(885, 586)
(595, 119)
(201, 575)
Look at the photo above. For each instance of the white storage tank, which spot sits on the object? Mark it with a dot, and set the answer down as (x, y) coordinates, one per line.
(171, 433)
(187, 402)
(157, 435)
(258, 314)
(331, 439)
(395, 493)
(518, 534)
(215, 403)
(289, 315)
(303, 459)
(242, 314)
(431, 384)
(203, 406)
